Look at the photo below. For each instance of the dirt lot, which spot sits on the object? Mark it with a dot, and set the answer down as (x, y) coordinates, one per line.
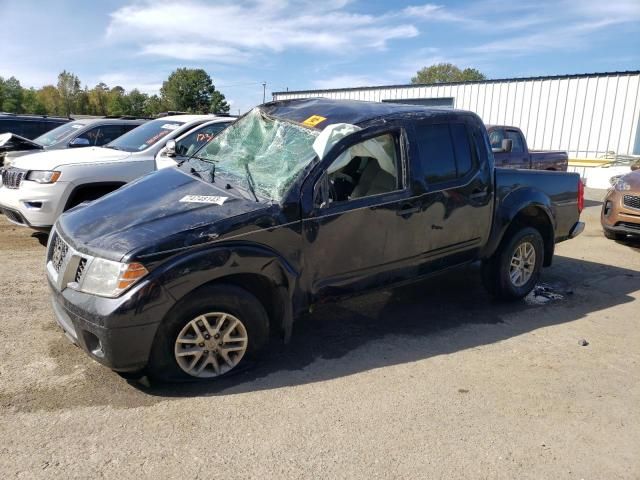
(429, 381)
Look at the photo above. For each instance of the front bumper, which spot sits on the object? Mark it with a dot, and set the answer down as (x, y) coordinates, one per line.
(117, 332)
(33, 204)
(618, 217)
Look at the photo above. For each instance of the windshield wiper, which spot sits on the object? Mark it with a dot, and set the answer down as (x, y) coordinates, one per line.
(252, 185)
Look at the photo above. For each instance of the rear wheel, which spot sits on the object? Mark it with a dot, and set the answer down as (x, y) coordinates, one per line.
(512, 272)
(208, 334)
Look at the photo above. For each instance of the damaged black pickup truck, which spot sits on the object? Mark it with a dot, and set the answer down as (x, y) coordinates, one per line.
(188, 271)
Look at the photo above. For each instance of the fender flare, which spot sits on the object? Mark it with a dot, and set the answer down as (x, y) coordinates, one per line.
(185, 273)
(513, 204)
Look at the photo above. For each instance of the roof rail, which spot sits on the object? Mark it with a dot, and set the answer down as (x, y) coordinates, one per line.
(126, 117)
(170, 113)
(35, 115)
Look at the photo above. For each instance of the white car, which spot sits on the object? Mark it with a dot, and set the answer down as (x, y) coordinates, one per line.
(37, 188)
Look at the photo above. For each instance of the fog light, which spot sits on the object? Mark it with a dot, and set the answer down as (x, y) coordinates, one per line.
(34, 205)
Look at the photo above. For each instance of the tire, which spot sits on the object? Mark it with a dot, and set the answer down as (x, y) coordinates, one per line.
(209, 304)
(497, 273)
(613, 235)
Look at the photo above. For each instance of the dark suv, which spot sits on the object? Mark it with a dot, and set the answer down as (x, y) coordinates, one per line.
(29, 126)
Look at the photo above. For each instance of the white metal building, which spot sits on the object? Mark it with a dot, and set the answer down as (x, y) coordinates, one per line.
(595, 115)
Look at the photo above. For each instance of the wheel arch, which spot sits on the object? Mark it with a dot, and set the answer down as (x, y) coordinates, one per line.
(80, 190)
(255, 269)
(522, 208)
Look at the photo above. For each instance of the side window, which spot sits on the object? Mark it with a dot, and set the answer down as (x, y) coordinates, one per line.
(465, 156)
(92, 136)
(11, 126)
(108, 133)
(34, 129)
(495, 137)
(196, 139)
(518, 145)
(446, 151)
(436, 152)
(367, 168)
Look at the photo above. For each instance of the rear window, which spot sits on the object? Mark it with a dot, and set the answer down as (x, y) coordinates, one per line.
(436, 152)
(145, 135)
(445, 151)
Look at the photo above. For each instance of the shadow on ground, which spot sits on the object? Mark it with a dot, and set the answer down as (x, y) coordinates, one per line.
(432, 312)
(442, 315)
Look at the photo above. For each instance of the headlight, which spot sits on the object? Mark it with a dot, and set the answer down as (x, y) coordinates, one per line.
(43, 176)
(621, 185)
(109, 279)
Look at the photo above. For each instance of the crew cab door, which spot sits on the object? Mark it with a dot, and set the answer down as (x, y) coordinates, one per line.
(456, 175)
(361, 221)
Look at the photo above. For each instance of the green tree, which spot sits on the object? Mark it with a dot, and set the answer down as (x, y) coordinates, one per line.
(49, 97)
(31, 103)
(219, 103)
(136, 101)
(117, 104)
(11, 95)
(189, 89)
(447, 72)
(82, 105)
(154, 105)
(98, 99)
(68, 88)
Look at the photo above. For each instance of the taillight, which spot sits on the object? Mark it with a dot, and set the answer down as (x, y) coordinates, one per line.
(580, 195)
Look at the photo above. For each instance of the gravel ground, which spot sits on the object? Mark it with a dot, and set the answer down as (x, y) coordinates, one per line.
(428, 381)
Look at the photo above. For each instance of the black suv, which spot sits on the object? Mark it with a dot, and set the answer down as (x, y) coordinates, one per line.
(29, 126)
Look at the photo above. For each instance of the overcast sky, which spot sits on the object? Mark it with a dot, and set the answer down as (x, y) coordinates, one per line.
(310, 44)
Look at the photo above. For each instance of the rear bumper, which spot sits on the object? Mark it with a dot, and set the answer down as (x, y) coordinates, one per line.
(116, 332)
(576, 230)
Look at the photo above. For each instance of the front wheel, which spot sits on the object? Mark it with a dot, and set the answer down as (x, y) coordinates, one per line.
(208, 334)
(512, 272)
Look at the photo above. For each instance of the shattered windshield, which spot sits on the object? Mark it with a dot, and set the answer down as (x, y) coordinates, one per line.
(263, 153)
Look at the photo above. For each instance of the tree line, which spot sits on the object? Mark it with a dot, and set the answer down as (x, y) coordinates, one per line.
(186, 90)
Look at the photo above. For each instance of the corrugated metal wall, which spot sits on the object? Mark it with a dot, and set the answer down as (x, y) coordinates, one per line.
(590, 116)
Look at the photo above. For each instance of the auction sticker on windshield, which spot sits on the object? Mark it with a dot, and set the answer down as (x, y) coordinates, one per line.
(214, 199)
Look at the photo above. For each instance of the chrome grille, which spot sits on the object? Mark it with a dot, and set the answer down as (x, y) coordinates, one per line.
(12, 177)
(632, 201)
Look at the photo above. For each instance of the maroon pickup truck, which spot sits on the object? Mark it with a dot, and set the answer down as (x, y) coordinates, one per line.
(510, 151)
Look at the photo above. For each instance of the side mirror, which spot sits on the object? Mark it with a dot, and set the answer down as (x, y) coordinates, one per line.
(170, 148)
(321, 192)
(80, 142)
(507, 145)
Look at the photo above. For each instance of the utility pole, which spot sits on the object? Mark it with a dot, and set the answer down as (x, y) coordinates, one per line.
(264, 92)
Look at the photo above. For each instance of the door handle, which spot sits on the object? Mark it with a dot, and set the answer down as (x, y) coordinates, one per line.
(478, 193)
(408, 209)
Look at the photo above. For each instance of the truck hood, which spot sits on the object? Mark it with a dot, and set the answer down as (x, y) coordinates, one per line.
(10, 142)
(165, 211)
(50, 160)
